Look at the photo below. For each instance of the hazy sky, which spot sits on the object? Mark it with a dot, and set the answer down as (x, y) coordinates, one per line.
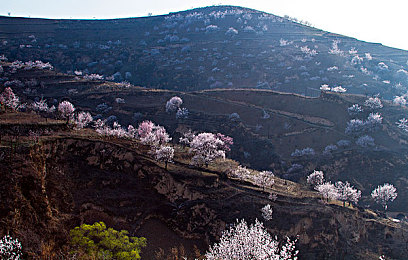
(369, 20)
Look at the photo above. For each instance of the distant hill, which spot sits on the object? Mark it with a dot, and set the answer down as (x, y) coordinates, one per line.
(207, 48)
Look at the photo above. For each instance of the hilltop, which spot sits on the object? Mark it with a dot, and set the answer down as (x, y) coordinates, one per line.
(214, 47)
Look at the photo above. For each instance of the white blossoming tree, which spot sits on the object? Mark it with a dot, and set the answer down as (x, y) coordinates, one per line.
(315, 178)
(373, 103)
(252, 242)
(66, 110)
(153, 135)
(82, 119)
(383, 194)
(41, 106)
(241, 172)
(328, 191)
(165, 154)
(347, 192)
(206, 147)
(9, 99)
(354, 110)
(403, 124)
(264, 179)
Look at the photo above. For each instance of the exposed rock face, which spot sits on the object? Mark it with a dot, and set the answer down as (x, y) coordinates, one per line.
(68, 181)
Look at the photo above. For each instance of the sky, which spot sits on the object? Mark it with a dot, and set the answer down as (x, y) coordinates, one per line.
(377, 21)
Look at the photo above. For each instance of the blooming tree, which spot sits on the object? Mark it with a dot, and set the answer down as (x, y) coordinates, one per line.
(355, 126)
(241, 172)
(82, 119)
(373, 103)
(264, 179)
(116, 130)
(42, 106)
(373, 120)
(227, 140)
(9, 99)
(354, 110)
(165, 154)
(315, 178)
(173, 104)
(10, 248)
(403, 124)
(206, 148)
(347, 192)
(399, 100)
(267, 212)
(145, 128)
(231, 31)
(66, 110)
(339, 89)
(328, 191)
(383, 194)
(187, 137)
(93, 77)
(120, 100)
(325, 87)
(335, 48)
(152, 134)
(252, 242)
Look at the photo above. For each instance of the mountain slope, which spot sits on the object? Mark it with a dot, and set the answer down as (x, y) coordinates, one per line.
(212, 47)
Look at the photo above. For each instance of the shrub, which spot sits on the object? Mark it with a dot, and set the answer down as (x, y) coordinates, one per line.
(329, 149)
(365, 141)
(343, 143)
(304, 152)
(106, 243)
(182, 113)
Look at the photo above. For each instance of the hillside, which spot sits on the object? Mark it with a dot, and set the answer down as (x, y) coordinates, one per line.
(63, 178)
(260, 142)
(206, 48)
(267, 82)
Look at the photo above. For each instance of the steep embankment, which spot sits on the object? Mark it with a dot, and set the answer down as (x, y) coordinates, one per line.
(65, 181)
